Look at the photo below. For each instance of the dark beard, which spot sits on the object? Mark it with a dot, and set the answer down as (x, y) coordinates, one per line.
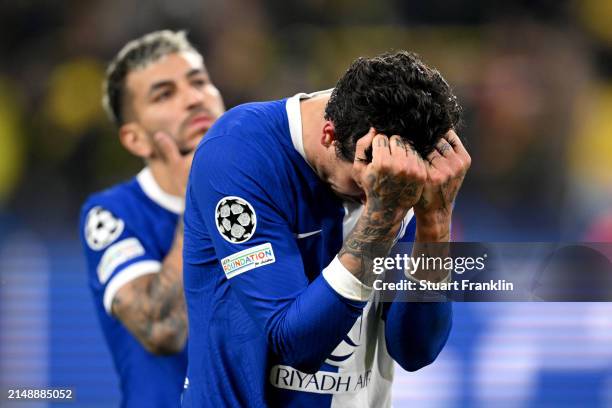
(185, 151)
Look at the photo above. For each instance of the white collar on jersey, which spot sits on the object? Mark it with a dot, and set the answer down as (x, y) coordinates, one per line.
(295, 119)
(152, 189)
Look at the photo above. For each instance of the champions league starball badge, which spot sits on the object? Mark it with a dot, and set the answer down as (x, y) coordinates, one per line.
(235, 219)
(102, 228)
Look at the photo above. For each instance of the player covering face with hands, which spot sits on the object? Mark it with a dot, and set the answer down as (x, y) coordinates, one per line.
(396, 180)
(288, 204)
(159, 94)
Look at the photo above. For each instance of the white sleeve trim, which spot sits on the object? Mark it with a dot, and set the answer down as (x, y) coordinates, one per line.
(414, 279)
(128, 274)
(345, 283)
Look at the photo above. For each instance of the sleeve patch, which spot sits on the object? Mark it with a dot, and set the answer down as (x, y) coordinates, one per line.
(118, 254)
(235, 219)
(248, 259)
(102, 228)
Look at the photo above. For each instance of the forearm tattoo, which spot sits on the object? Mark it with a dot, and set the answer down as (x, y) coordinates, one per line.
(374, 234)
(154, 311)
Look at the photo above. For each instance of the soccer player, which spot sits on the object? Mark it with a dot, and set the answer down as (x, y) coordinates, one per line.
(288, 204)
(159, 94)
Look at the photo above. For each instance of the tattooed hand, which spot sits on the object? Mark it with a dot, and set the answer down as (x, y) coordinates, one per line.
(446, 169)
(393, 180)
(392, 183)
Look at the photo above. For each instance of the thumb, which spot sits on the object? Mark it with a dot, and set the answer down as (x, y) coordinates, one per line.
(166, 147)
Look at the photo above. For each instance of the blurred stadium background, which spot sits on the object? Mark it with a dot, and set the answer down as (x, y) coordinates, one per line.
(534, 77)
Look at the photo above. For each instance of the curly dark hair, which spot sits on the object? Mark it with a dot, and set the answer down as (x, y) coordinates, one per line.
(397, 94)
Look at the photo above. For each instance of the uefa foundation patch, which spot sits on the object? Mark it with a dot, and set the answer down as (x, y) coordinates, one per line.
(248, 259)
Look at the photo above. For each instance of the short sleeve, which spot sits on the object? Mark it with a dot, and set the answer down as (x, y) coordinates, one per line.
(115, 254)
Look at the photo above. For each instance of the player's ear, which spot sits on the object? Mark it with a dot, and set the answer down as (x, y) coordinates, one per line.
(329, 134)
(134, 138)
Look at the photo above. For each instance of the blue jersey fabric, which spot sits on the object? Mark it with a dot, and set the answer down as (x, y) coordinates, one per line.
(266, 326)
(125, 234)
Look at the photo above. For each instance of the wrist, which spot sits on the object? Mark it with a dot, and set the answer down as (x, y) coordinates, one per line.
(383, 221)
(429, 230)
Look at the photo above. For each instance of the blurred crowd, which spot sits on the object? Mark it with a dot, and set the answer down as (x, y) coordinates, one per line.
(534, 78)
(535, 81)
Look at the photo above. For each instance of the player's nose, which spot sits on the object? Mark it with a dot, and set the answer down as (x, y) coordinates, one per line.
(194, 98)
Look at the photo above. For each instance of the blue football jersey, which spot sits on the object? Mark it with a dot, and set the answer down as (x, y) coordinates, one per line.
(274, 317)
(126, 231)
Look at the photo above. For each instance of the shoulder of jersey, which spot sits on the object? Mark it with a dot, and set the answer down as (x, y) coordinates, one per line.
(240, 120)
(105, 214)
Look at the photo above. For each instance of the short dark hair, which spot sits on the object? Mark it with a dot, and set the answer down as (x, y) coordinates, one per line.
(138, 54)
(397, 94)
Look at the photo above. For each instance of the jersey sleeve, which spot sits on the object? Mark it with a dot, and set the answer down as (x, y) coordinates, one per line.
(243, 203)
(415, 332)
(115, 254)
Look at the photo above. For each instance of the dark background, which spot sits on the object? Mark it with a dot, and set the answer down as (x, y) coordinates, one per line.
(535, 80)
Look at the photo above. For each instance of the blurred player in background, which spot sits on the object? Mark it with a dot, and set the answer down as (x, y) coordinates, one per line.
(288, 204)
(159, 94)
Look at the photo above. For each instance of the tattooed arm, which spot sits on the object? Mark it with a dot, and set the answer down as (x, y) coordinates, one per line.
(396, 180)
(446, 168)
(152, 307)
(392, 182)
(429, 323)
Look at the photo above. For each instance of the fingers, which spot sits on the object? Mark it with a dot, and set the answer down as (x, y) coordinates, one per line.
(361, 162)
(453, 139)
(360, 149)
(420, 162)
(364, 143)
(174, 163)
(167, 147)
(397, 146)
(395, 177)
(458, 147)
(449, 160)
(395, 156)
(380, 149)
(449, 153)
(444, 148)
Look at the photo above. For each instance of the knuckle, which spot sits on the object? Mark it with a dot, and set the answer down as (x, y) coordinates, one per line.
(378, 166)
(456, 166)
(385, 167)
(408, 167)
(460, 166)
(438, 179)
(468, 161)
(413, 172)
(404, 172)
(405, 166)
(423, 176)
